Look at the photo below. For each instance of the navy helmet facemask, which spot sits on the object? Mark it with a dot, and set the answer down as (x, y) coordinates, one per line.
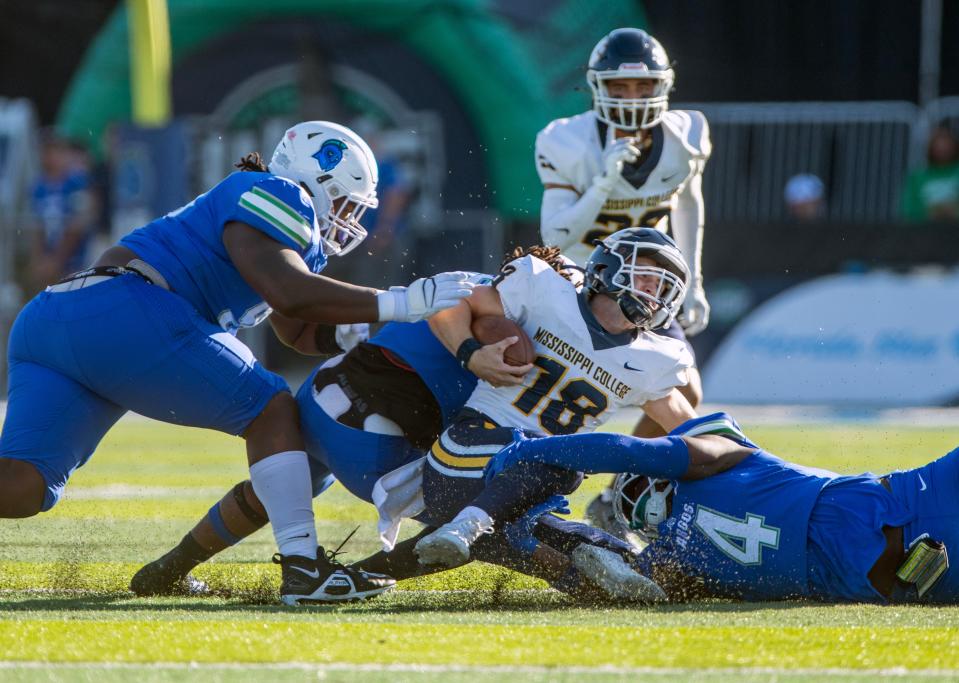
(629, 53)
(612, 269)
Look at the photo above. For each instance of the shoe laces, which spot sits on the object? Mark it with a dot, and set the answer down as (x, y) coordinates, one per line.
(471, 529)
(331, 555)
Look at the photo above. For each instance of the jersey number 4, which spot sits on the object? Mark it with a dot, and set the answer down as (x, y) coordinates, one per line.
(578, 399)
(741, 539)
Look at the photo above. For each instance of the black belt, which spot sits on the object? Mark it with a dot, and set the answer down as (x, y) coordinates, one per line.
(104, 271)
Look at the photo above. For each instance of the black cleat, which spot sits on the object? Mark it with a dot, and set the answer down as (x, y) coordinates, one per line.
(160, 577)
(324, 579)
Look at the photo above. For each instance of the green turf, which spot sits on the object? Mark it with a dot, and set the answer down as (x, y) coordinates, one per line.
(65, 613)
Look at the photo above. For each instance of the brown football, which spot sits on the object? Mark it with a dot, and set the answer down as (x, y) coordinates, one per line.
(489, 329)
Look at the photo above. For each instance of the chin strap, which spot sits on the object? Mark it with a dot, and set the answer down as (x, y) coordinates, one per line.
(636, 311)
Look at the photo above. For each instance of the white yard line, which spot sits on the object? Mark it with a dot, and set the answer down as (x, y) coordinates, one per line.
(480, 669)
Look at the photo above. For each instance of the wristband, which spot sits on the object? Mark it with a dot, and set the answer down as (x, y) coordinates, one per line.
(391, 305)
(466, 351)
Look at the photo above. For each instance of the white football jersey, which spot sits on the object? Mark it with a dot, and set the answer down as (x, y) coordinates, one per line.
(569, 154)
(579, 379)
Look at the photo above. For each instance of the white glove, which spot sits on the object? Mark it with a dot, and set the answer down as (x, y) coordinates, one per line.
(620, 152)
(424, 297)
(349, 335)
(695, 313)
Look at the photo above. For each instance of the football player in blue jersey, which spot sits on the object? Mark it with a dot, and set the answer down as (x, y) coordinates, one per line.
(368, 417)
(151, 328)
(725, 518)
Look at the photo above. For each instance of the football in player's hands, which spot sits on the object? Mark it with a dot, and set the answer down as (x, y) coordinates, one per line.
(489, 329)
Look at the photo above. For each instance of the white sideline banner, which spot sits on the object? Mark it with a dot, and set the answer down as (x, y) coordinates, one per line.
(875, 339)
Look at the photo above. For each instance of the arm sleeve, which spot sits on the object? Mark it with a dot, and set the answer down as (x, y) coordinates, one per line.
(280, 209)
(565, 216)
(666, 457)
(686, 222)
(567, 212)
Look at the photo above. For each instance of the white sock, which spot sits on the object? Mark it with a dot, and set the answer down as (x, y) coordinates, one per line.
(478, 515)
(282, 483)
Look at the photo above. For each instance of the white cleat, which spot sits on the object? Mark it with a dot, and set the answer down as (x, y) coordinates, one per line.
(449, 546)
(612, 574)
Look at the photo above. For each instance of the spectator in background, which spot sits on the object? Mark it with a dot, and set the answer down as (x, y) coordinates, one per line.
(805, 197)
(387, 223)
(64, 209)
(932, 193)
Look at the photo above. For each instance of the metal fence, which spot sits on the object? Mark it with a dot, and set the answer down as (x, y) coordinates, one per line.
(860, 150)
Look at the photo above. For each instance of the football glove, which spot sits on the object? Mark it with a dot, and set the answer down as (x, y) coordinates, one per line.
(694, 316)
(349, 335)
(424, 297)
(619, 153)
(519, 534)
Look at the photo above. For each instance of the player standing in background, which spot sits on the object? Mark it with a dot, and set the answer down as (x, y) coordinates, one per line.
(629, 162)
(595, 354)
(151, 328)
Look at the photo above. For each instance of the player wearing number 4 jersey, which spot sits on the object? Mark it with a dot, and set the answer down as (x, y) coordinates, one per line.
(725, 518)
(150, 328)
(594, 355)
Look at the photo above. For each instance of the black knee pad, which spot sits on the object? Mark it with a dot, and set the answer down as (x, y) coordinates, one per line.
(239, 495)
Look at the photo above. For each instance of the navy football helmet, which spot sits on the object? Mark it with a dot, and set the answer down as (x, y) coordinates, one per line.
(612, 269)
(629, 53)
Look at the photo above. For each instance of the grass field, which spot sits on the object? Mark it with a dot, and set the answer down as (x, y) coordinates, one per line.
(65, 613)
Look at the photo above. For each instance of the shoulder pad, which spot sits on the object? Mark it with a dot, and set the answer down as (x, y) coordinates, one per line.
(290, 193)
(720, 424)
(276, 206)
(564, 139)
(692, 129)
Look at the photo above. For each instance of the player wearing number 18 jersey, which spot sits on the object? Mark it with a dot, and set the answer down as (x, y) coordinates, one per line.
(594, 355)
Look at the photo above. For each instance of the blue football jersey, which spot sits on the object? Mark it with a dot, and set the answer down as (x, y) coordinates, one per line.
(186, 246)
(416, 344)
(742, 532)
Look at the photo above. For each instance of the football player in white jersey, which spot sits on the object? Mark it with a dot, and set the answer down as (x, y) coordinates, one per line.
(629, 161)
(595, 353)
